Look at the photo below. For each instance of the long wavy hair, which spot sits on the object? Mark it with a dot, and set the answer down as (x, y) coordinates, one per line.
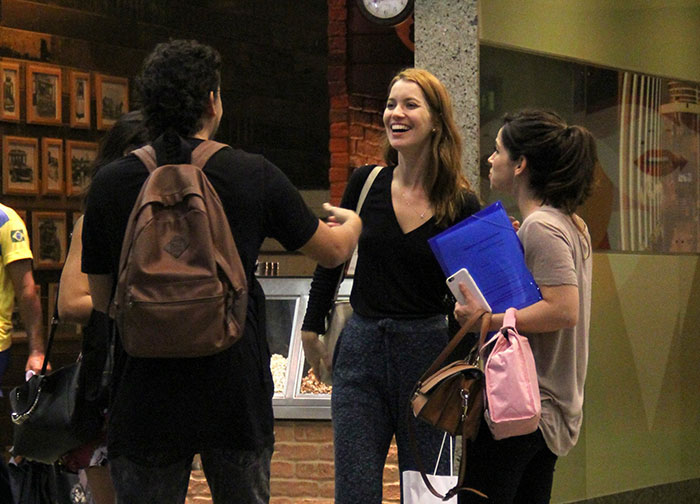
(443, 180)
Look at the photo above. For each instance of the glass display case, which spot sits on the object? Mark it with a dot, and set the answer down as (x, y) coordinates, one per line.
(298, 393)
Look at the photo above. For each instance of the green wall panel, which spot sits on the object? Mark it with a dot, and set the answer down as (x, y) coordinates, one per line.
(642, 406)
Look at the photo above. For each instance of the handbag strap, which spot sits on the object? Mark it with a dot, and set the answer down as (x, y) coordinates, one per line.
(361, 200)
(509, 318)
(365, 188)
(52, 332)
(459, 487)
(508, 324)
(437, 363)
(437, 462)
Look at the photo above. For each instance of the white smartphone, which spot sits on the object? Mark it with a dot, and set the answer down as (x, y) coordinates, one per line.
(463, 276)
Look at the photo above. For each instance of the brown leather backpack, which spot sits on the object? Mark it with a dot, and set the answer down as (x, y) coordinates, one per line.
(181, 288)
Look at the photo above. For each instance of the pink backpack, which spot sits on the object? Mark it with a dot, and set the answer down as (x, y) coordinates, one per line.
(512, 393)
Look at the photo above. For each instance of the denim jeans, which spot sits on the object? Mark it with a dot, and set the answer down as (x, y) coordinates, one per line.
(518, 469)
(234, 477)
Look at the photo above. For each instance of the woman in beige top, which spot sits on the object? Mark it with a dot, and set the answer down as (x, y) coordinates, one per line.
(548, 167)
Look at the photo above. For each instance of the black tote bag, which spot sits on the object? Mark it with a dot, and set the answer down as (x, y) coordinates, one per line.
(51, 413)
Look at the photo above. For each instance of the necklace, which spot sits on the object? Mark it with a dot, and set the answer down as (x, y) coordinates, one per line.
(408, 202)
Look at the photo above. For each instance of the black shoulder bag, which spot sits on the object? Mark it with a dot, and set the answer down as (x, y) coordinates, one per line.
(57, 412)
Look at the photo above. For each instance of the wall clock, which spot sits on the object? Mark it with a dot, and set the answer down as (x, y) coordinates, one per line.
(386, 12)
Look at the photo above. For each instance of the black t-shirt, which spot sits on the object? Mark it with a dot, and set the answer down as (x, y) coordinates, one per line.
(397, 275)
(180, 406)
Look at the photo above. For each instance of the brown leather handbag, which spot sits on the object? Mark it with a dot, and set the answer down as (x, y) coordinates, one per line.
(451, 398)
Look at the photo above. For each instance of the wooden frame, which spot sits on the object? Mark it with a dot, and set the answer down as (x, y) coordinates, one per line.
(79, 159)
(23, 215)
(52, 178)
(43, 94)
(49, 239)
(79, 99)
(20, 165)
(111, 99)
(10, 100)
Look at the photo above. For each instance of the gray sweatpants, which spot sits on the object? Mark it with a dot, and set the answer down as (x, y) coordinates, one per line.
(376, 365)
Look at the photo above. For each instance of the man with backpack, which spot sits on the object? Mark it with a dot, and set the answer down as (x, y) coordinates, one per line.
(172, 397)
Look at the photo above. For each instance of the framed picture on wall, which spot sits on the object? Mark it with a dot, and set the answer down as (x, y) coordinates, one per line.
(52, 166)
(79, 158)
(79, 99)
(9, 92)
(20, 165)
(43, 94)
(22, 215)
(111, 99)
(49, 239)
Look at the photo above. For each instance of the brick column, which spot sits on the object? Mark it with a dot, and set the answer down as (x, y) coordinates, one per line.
(338, 95)
(366, 129)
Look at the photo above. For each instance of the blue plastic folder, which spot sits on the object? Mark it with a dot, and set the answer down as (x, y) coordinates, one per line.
(487, 245)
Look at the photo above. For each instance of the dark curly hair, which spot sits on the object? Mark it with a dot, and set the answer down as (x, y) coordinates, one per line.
(174, 85)
(560, 158)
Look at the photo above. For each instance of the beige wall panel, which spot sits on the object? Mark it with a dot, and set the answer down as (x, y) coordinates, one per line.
(658, 37)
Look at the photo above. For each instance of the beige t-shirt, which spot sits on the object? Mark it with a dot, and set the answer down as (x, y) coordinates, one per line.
(557, 253)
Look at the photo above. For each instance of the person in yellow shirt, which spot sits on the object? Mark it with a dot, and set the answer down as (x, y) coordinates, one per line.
(17, 281)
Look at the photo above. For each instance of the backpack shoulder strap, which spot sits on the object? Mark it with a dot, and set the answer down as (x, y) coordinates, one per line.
(200, 155)
(147, 155)
(204, 151)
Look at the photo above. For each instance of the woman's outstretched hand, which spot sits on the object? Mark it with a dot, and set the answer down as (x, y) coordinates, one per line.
(338, 215)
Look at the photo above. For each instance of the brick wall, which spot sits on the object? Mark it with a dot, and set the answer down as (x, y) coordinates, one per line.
(366, 129)
(362, 58)
(356, 138)
(302, 467)
(338, 115)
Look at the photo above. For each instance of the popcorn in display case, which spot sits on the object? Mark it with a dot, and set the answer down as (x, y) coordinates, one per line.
(298, 392)
(281, 316)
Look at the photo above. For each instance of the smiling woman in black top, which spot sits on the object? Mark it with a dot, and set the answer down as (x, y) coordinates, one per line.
(399, 294)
